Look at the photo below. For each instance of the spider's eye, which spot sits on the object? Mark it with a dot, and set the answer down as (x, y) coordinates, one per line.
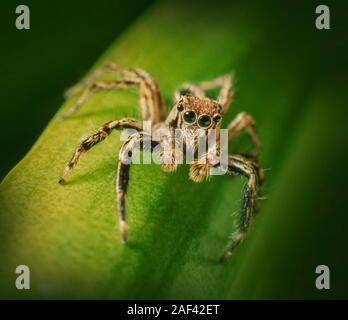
(204, 121)
(190, 116)
(180, 107)
(217, 118)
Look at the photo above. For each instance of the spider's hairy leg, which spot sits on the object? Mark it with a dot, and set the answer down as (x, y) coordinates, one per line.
(244, 121)
(90, 79)
(103, 132)
(151, 102)
(137, 140)
(225, 83)
(122, 84)
(87, 81)
(188, 89)
(240, 165)
(121, 190)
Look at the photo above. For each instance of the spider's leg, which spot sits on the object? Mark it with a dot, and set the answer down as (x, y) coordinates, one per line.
(122, 84)
(136, 140)
(151, 102)
(188, 89)
(245, 121)
(121, 190)
(99, 136)
(91, 78)
(225, 84)
(87, 81)
(240, 165)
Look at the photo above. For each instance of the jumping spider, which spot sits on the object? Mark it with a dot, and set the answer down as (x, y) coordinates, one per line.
(192, 110)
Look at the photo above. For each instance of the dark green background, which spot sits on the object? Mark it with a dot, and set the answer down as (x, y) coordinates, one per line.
(66, 38)
(37, 65)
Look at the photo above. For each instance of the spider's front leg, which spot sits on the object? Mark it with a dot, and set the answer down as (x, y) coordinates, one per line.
(145, 143)
(103, 132)
(238, 164)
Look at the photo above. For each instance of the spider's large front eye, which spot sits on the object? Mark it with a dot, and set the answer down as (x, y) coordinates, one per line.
(204, 121)
(190, 116)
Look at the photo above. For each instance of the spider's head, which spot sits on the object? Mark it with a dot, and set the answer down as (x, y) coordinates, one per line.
(198, 113)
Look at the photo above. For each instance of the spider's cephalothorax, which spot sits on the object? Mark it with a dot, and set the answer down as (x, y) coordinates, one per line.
(195, 115)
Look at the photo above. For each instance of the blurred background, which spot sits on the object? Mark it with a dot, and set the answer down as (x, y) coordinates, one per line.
(38, 65)
(293, 80)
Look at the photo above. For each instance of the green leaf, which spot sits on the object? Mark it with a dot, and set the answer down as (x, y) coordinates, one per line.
(69, 237)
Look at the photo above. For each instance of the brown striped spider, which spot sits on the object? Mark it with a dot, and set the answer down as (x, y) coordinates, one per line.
(193, 111)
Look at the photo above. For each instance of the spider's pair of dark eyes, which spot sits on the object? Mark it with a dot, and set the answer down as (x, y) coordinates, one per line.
(204, 121)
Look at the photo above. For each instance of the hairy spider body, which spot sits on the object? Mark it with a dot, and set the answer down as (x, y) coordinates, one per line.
(195, 115)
